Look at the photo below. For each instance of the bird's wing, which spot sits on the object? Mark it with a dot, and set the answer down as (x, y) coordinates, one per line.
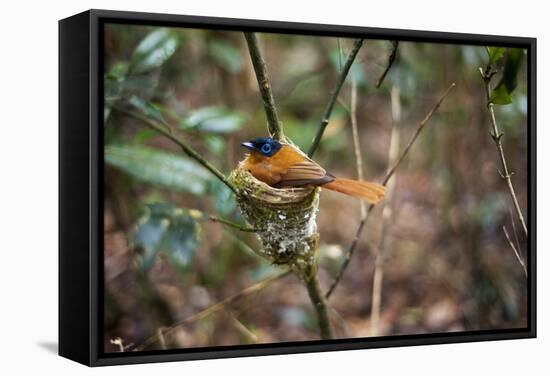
(305, 172)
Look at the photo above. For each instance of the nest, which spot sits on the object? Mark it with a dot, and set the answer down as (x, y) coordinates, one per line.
(284, 219)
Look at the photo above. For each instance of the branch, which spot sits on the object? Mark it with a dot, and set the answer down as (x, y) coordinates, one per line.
(242, 245)
(161, 339)
(359, 166)
(349, 254)
(186, 149)
(496, 135)
(515, 230)
(119, 343)
(213, 309)
(389, 174)
(248, 334)
(356, 145)
(231, 224)
(387, 215)
(391, 171)
(334, 96)
(515, 251)
(319, 303)
(273, 124)
(391, 59)
(199, 215)
(276, 132)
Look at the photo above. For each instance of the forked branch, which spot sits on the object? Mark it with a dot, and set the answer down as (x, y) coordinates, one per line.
(387, 217)
(227, 302)
(496, 135)
(411, 142)
(334, 96)
(391, 59)
(186, 148)
(229, 223)
(389, 174)
(258, 62)
(276, 131)
(516, 252)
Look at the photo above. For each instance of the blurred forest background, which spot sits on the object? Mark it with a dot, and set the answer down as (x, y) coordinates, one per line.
(447, 265)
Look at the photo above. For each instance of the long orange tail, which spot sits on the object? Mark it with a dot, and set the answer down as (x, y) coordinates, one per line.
(370, 192)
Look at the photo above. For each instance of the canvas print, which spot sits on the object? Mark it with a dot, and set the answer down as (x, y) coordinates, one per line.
(264, 188)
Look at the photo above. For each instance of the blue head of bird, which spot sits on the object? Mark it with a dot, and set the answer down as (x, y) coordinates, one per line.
(264, 145)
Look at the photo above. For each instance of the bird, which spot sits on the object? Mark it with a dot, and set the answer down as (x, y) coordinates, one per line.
(282, 165)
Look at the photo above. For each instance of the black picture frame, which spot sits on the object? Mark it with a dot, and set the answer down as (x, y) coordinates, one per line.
(81, 190)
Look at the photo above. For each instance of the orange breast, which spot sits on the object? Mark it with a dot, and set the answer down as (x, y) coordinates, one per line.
(271, 169)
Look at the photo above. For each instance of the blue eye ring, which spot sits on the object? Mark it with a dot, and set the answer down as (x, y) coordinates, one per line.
(266, 148)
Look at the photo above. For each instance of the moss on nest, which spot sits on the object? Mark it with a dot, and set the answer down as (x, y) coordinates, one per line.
(284, 219)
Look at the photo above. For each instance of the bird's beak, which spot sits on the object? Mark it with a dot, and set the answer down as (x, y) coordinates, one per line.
(248, 145)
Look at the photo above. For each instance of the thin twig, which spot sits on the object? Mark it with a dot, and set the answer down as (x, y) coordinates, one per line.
(339, 53)
(199, 215)
(377, 279)
(161, 339)
(118, 342)
(258, 62)
(416, 133)
(186, 149)
(515, 251)
(248, 334)
(214, 308)
(516, 238)
(391, 59)
(359, 167)
(232, 224)
(349, 254)
(389, 174)
(334, 96)
(343, 105)
(356, 145)
(387, 214)
(496, 135)
(341, 321)
(242, 245)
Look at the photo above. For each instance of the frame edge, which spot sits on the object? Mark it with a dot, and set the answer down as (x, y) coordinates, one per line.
(74, 246)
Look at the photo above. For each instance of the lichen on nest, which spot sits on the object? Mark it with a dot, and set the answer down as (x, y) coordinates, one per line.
(284, 219)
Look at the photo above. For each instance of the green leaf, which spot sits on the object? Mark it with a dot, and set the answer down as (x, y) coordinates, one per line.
(165, 228)
(159, 168)
(149, 109)
(226, 55)
(113, 84)
(144, 83)
(157, 47)
(214, 143)
(224, 199)
(214, 120)
(143, 135)
(495, 54)
(147, 236)
(508, 82)
(113, 88)
(501, 95)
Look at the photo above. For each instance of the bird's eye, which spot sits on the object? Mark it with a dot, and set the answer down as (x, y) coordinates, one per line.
(266, 148)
